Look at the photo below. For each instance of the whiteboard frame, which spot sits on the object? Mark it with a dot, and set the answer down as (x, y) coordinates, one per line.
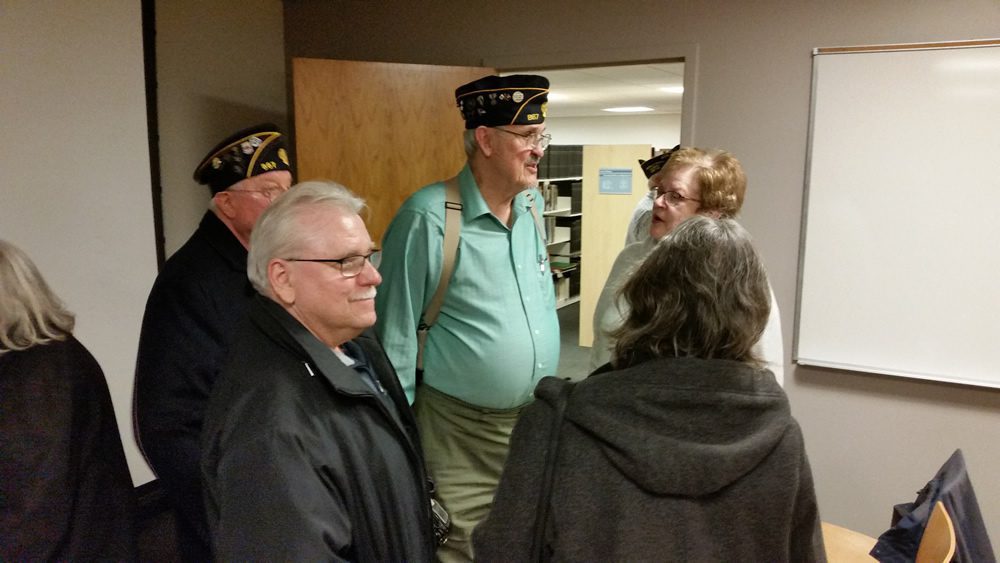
(818, 362)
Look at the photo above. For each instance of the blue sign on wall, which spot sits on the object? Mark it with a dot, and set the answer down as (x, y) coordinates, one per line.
(615, 181)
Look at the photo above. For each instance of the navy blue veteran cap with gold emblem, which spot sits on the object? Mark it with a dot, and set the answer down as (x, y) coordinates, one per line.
(518, 99)
(252, 151)
(655, 164)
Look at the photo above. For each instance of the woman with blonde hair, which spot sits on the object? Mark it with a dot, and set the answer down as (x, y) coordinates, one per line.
(65, 489)
(692, 181)
(682, 447)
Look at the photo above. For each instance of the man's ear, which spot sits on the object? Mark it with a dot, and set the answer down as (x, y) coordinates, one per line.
(224, 203)
(484, 138)
(279, 277)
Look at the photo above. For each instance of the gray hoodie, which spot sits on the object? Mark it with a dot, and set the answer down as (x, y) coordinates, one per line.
(668, 459)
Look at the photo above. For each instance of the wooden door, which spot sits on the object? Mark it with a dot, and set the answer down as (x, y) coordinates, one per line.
(381, 129)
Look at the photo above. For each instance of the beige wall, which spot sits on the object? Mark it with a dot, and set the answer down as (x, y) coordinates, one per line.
(220, 68)
(75, 176)
(873, 440)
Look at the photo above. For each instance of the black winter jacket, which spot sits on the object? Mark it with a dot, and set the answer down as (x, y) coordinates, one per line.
(65, 490)
(199, 298)
(303, 461)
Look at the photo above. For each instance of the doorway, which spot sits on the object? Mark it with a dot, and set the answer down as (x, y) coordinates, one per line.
(622, 104)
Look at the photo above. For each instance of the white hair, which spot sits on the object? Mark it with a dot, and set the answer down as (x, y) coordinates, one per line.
(277, 232)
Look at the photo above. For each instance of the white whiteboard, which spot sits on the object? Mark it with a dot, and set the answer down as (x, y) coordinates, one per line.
(900, 262)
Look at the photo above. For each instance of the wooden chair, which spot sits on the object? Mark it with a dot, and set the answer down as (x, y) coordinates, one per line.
(846, 546)
(938, 542)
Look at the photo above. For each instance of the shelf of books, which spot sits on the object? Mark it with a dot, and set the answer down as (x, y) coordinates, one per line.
(561, 185)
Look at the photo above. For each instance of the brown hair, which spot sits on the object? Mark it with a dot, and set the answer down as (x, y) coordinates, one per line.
(720, 178)
(701, 293)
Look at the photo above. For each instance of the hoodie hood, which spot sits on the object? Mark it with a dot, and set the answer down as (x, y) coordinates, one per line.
(665, 424)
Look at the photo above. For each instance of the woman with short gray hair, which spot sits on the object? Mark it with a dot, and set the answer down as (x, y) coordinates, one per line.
(683, 447)
(702, 293)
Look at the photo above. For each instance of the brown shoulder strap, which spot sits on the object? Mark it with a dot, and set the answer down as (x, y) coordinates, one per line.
(452, 231)
(539, 226)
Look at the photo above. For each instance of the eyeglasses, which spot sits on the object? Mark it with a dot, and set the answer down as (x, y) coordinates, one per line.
(673, 197)
(540, 140)
(270, 192)
(351, 266)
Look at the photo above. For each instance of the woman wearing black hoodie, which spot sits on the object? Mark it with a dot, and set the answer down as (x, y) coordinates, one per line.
(683, 447)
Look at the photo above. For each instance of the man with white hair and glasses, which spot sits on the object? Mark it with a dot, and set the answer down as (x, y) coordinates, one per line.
(310, 450)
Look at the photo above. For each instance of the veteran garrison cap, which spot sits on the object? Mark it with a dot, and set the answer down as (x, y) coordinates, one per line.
(518, 99)
(655, 164)
(243, 154)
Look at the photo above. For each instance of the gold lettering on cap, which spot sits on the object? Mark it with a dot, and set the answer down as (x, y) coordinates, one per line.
(269, 165)
(532, 117)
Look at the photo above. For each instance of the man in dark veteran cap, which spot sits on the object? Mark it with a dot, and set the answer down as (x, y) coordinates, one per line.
(197, 300)
(497, 333)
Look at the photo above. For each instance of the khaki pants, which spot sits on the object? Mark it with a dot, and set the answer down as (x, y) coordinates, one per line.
(465, 448)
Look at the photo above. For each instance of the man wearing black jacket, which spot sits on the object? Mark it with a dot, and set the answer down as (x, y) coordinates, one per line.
(199, 297)
(310, 451)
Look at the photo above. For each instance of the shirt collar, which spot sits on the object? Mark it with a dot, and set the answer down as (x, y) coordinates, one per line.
(473, 204)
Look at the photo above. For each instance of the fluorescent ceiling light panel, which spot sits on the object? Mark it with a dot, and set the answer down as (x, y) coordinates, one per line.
(628, 109)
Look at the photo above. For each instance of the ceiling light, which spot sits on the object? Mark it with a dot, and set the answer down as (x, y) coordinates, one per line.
(628, 109)
(673, 89)
(557, 97)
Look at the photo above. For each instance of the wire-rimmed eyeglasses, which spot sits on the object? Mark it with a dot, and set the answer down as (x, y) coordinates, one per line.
(672, 197)
(350, 266)
(540, 140)
(270, 192)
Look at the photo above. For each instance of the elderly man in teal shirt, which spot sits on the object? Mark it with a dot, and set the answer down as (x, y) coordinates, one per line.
(497, 333)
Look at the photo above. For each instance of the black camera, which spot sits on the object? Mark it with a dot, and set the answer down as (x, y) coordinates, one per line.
(440, 522)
